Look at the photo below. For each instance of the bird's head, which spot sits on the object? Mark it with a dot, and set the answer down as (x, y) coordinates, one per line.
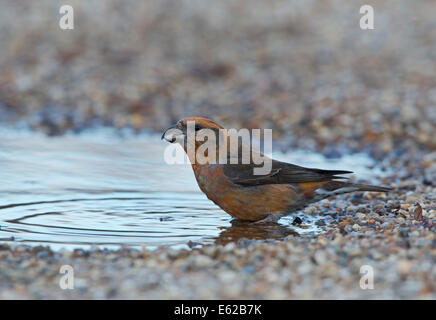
(181, 128)
(192, 131)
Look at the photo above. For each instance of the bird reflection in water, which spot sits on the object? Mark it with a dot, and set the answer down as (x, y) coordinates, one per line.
(250, 231)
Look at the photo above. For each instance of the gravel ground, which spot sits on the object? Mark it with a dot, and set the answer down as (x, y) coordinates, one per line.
(304, 69)
(394, 234)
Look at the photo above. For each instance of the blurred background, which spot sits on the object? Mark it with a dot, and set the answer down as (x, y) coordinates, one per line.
(303, 68)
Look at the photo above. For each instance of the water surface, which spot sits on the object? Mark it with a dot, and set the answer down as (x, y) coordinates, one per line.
(109, 189)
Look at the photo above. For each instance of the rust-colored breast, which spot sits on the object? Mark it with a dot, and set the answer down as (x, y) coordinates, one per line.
(247, 203)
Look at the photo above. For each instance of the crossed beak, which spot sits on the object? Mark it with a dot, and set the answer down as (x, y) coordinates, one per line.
(171, 134)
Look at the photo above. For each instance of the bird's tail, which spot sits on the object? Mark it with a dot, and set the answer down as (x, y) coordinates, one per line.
(339, 187)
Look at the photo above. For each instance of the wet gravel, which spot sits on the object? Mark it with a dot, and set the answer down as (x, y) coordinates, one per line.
(304, 69)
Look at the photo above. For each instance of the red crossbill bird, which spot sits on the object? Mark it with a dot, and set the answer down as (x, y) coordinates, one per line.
(235, 187)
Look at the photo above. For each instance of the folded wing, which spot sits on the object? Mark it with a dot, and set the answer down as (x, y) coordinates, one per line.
(281, 173)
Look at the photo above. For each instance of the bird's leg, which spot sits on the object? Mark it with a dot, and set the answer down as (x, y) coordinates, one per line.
(272, 218)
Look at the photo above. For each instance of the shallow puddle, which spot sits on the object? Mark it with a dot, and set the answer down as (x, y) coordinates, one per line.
(111, 189)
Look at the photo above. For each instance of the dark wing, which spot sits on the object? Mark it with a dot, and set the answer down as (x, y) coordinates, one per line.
(281, 173)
